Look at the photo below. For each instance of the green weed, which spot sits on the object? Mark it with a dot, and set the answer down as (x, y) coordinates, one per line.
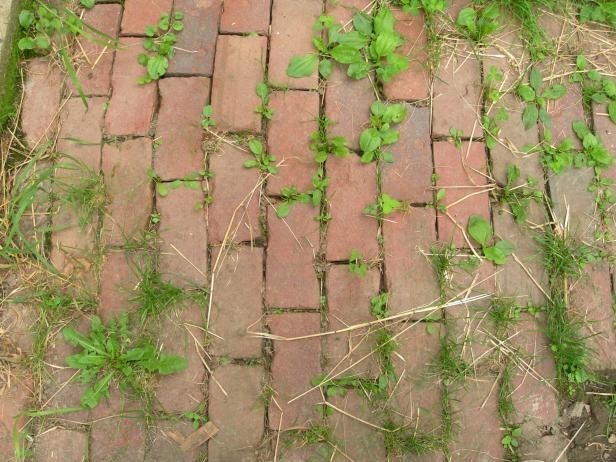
(511, 439)
(519, 197)
(491, 90)
(456, 136)
(357, 264)
(491, 128)
(565, 257)
(598, 11)
(159, 45)
(207, 114)
(504, 312)
(323, 145)
(386, 205)
(477, 24)
(378, 306)
(451, 367)
(263, 108)
(429, 7)
(536, 96)
(481, 231)
(261, 159)
(596, 88)
(196, 417)
(380, 134)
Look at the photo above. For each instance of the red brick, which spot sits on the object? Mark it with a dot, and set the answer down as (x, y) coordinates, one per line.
(591, 302)
(197, 42)
(347, 104)
(349, 304)
(457, 85)
(132, 105)
(118, 280)
(240, 415)
(343, 10)
(162, 448)
(289, 380)
(414, 82)
(291, 35)
(245, 16)
(178, 131)
(411, 281)
(125, 166)
(94, 74)
(239, 68)
(288, 137)
(41, 101)
(357, 440)
(293, 243)
(476, 407)
(237, 301)
(183, 391)
(409, 177)
(117, 438)
(564, 111)
(138, 14)
(460, 167)
(351, 188)
(59, 444)
(228, 168)
(182, 225)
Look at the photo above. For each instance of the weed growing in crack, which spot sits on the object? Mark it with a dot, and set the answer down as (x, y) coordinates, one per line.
(536, 97)
(477, 23)
(290, 195)
(357, 264)
(565, 257)
(314, 434)
(481, 231)
(456, 136)
(159, 45)
(519, 197)
(386, 205)
(491, 128)
(262, 91)
(207, 115)
(261, 159)
(596, 88)
(504, 312)
(380, 134)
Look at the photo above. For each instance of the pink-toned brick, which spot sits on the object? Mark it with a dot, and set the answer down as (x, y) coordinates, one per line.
(291, 35)
(117, 438)
(138, 14)
(348, 304)
(183, 391)
(178, 131)
(237, 301)
(132, 105)
(239, 68)
(245, 16)
(118, 280)
(161, 448)
(414, 82)
(289, 380)
(240, 415)
(293, 244)
(411, 281)
(94, 74)
(183, 235)
(347, 104)
(196, 44)
(125, 167)
(242, 224)
(461, 173)
(41, 101)
(351, 188)
(60, 445)
(457, 84)
(409, 177)
(343, 10)
(288, 137)
(564, 111)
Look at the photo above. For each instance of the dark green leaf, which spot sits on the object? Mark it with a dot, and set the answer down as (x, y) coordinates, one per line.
(302, 66)
(479, 229)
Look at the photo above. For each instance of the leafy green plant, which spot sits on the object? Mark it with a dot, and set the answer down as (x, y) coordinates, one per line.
(380, 134)
(263, 108)
(371, 45)
(323, 145)
(378, 306)
(481, 231)
(261, 159)
(429, 7)
(558, 158)
(564, 256)
(477, 24)
(290, 195)
(491, 89)
(159, 45)
(386, 205)
(491, 128)
(113, 353)
(536, 97)
(340, 386)
(598, 11)
(596, 88)
(189, 181)
(197, 417)
(357, 264)
(594, 153)
(511, 439)
(207, 120)
(456, 136)
(504, 312)
(605, 198)
(519, 197)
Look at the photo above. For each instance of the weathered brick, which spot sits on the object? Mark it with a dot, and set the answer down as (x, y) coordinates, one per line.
(240, 415)
(125, 167)
(15, 399)
(351, 188)
(178, 132)
(410, 278)
(288, 137)
(237, 301)
(94, 73)
(182, 391)
(414, 82)
(461, 173)
(476, 407)
(357, 440)
(118, 279)
(117, 438)
(132, 105)
(291, 280)
(59, 444)
(182, 225)
(239, 68)
(161, 448)
(347, 104)
(302, 452)
(457, 85)
(41, 101)
(591, 302)
(245, 16)
(564, 111)
(138, 14)
(343, 10)
(409, 177)
(196, 43)
(288, 380)
(604, 128)
(227, 165)
(349, 304)
(291, 35)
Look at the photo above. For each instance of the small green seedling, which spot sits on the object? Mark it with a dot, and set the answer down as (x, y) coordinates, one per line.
(598, 11)
(357, 264)
(207, 120)
(456, 136)
(262, 160)
(160, 46)
(380, 134)
(476, 25)
(289, 196)
(378, 306)
(536, 98)
(519, 197)
(558, 158)
(263, 108)
(429, 7)
(493, 79)
(113, 353)
(87, 4)
(511, 439)
(594, 152)
(386, 205)
(481, 231)
(491, 128)
(323, 145)
(596, 88)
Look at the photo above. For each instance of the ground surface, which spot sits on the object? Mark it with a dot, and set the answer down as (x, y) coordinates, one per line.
(270, 279)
